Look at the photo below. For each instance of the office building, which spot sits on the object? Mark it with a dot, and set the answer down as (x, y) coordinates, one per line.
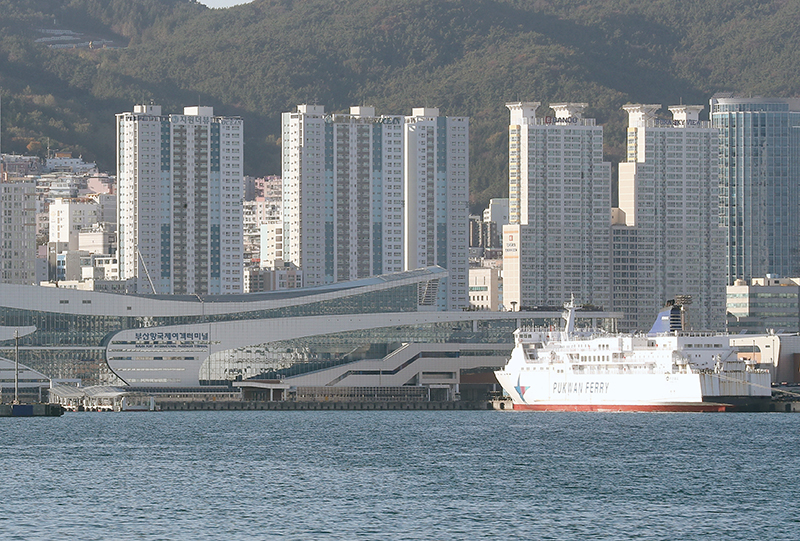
(666, 237)
(764, 305)
(759, 168)
(557, 243)
(485, 288)
(180, 201)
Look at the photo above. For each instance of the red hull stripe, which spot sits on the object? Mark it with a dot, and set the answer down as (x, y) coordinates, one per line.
(702, 406)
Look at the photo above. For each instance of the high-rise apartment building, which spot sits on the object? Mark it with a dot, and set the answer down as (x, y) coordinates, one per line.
(342, 193)
(366, 194)
(759, 172)
(437, 200)
(666, 237)
(179, 200)
(17, 231)
(558, 240)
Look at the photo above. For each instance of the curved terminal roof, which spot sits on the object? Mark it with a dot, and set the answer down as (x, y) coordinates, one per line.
(78, 302)
(7, 333)
(28, 377)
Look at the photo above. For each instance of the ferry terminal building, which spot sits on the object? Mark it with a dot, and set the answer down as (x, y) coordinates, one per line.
(381, 333)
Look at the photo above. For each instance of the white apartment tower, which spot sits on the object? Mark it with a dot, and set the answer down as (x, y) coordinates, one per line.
(342, 193)
(666, 236)
(179, 200)
(18, 232)
(557, 243)
(357, 188)
(437, 200)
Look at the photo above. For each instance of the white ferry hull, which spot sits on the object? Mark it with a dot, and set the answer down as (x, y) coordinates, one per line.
(547, 391)
(674, 408)
(665, 370)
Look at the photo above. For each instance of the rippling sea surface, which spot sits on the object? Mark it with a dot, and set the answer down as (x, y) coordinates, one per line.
(400, 475)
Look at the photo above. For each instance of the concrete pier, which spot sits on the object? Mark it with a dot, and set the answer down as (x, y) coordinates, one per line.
(234, 405)
(785, 406)
(292, 405)
(31, 410)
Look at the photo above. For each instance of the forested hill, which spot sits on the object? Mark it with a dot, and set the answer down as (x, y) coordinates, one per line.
(467, 57)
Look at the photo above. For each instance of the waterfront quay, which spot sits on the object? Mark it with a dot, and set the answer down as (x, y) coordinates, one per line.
(785, 406)
(31, 410)
(777, 406)
(309, 399)
(785, 398)
(234, 405)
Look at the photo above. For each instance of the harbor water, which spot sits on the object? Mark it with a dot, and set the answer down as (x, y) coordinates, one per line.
(400, 475)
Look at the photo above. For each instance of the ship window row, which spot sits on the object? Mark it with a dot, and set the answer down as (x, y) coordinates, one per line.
(595, 358)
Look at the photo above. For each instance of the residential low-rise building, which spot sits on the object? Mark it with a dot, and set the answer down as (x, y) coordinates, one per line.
(68, 217)
(281, 276)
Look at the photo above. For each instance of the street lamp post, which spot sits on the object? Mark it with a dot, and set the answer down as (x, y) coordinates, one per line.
(16, 366)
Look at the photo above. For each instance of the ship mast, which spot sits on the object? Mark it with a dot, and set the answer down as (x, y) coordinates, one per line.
(569, 316)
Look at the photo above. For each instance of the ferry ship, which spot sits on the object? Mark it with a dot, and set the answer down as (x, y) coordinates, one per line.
(667, 369)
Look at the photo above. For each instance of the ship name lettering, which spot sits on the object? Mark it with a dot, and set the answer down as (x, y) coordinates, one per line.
(573, 387)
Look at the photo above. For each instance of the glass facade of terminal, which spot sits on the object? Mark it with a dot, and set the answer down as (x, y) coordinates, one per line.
(62, 329)
(292, 357)
(73, 345)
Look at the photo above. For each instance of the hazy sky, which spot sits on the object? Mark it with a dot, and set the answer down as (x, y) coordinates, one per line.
(223, 3)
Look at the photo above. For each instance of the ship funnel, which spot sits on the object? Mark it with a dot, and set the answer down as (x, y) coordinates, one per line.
(673, 317)
(682, 301)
